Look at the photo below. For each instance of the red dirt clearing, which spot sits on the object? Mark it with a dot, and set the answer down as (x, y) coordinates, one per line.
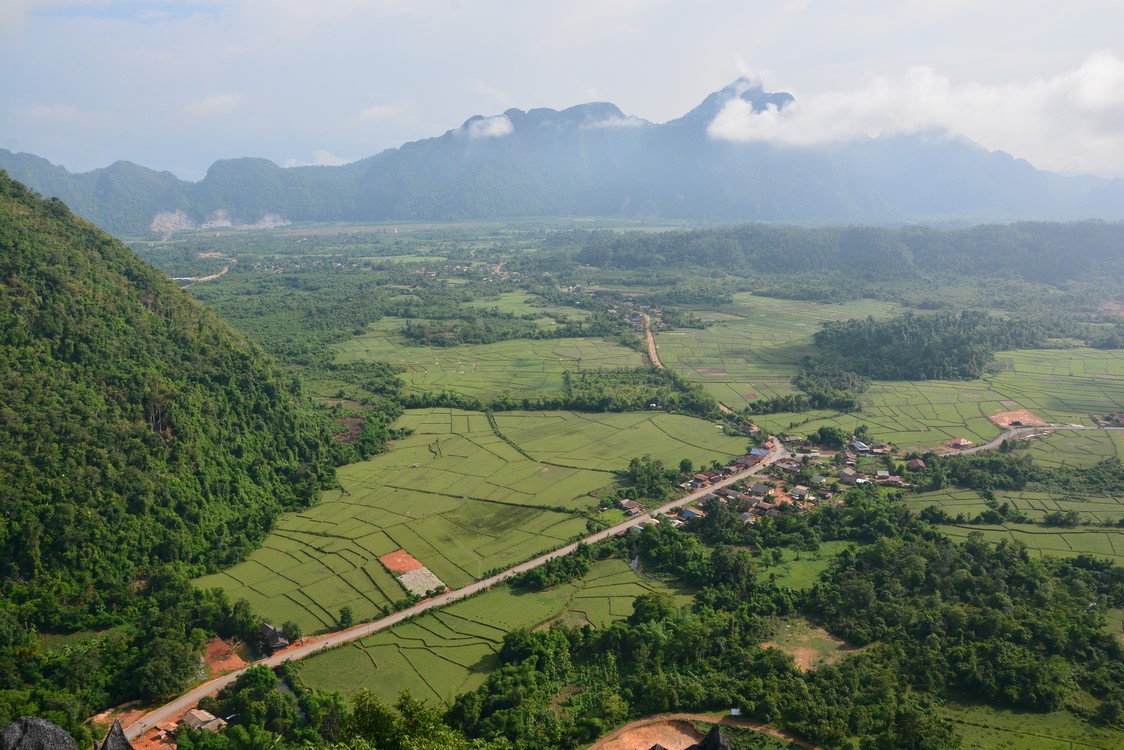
(220, 658)
(674, 735)
(400, 561)
(1022, 416)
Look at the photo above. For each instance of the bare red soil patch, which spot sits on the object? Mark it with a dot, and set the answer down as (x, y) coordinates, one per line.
(1017, 418)
(400, 561)
(674, 735)
(220, 658)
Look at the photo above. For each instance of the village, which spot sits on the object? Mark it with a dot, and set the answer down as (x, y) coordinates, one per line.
(806, 478)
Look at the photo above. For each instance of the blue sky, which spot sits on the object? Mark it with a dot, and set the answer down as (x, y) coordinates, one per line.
(176, 86)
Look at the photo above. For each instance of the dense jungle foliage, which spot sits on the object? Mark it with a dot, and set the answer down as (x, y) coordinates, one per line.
(946, 346)
(142, 440)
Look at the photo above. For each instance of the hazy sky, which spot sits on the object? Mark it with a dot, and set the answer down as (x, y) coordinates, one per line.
(178, 85)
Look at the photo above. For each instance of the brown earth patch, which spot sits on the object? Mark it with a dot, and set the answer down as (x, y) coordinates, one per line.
(1116, 307)
(1024, 418)
(354, 427)
(674, 735)
(400, 561)
(220, 658)
(807, 657)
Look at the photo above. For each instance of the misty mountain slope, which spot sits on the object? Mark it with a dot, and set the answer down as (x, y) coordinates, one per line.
(136, 428)
(594, 160)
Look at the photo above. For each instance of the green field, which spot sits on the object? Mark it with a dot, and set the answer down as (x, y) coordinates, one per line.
(447, 652)
(986, 728)
(1060, 386)
(517, 368)
(459, 498)
(608, 441)
(1077, 447)
(799, 570)
(754, 346)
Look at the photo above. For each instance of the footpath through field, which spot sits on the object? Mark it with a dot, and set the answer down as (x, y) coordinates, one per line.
(170, 710)
(652, 354)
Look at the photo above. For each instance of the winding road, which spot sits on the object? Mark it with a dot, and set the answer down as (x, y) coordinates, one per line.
(170, 710)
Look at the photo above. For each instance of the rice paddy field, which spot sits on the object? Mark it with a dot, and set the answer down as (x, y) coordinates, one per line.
(1097, 534)
(753, 346)
(486, 371)
(462, 496)
(985, 728)
(452, 650)
(1062, 386)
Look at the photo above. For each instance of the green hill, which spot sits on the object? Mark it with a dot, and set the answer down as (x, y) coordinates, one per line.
(137, 429)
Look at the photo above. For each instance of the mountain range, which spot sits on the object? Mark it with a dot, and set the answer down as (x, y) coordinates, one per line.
(593, 160)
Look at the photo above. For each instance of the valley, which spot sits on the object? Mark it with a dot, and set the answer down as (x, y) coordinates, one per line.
(488, 395)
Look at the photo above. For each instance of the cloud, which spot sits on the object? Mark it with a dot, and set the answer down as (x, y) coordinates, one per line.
(616, 121)
(215, 105)
(321, 157)
(495, 126)
(1073, 121)
(384, 112)
(62, 114)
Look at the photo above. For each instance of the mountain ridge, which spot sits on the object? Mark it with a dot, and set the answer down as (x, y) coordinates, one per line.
(592, 159)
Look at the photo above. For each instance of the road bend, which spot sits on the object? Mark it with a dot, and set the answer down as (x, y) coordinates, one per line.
(170, 710)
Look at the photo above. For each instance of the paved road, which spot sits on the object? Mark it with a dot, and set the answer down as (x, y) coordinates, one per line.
(169, 711)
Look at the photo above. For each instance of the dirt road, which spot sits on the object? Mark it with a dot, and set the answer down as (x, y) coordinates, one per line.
(652, 355)
(1018, 433)
(170, 710)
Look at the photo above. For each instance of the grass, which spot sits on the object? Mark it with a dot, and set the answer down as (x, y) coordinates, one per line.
(799, 570)
(808, 644)
(458, 497)
(1060, 386)
(486, 371)
(444, 653)
(986, 728)
(608, 441)
(753, 347)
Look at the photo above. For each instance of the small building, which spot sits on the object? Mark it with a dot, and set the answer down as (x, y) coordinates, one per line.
(199, 719)
(761, 490)
(960, 443)
(274, 638)
(800, 492)
(915, 464)
(850, 476)
(631, 507)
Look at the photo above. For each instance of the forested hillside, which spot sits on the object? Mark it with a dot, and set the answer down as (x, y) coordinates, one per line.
(136, 428)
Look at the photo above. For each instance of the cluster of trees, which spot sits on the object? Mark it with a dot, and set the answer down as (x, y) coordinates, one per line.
(598, 390)
(636, 389)
(558, 570)
(143, 441)
(484, 326)
(955, 346)
(265, 716)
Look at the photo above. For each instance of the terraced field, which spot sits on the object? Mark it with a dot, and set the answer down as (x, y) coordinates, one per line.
(460, 498)
(452, 650)
(486, 371)
(1098, 533)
